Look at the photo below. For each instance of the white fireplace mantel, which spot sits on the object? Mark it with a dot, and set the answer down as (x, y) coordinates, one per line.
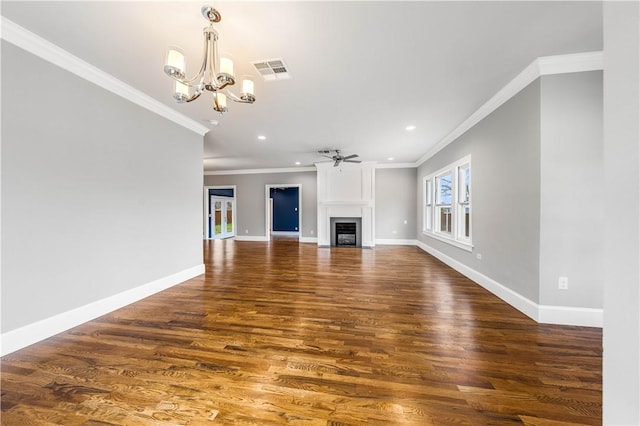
(346, 191)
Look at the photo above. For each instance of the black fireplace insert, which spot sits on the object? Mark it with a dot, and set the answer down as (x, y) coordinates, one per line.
(346, 234)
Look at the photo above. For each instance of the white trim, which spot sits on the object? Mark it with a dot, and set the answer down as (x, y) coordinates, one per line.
(464, 243)
(206, 203)
(258, 171)
(300, 169)
(516, 300)
(568, 315)
(286, 233)
(560, 315)
(313, 240)
(43, 329)
(260, 238)
(576, 62)
(32, 43)
(395, 242)
(546, 65)
(460, 244)
(396, 166)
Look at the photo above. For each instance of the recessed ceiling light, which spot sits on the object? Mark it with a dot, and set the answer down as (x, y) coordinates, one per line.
(390, 159)
(214, 122)
(410, 128)
(297, 163)
(262, 137)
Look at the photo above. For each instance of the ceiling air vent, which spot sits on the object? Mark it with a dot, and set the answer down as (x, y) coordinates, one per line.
(272, 69)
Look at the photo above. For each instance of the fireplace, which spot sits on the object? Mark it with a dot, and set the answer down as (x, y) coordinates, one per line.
(345, 232)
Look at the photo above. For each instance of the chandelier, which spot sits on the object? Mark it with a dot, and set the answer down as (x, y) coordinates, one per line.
(215, 75)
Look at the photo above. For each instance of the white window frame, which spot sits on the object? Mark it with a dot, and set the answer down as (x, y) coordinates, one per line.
(439, 204)
(431, 205)
(427, 208)
(463, 201)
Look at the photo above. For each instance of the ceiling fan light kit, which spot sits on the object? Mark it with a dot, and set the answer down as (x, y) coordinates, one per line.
(215, 75)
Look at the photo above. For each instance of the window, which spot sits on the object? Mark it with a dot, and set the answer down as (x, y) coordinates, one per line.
(428, 206)
(443, 203)
(464, 202)
(447, 204)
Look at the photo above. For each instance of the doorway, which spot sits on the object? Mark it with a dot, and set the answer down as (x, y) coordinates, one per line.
(283, 210)
(220, 212)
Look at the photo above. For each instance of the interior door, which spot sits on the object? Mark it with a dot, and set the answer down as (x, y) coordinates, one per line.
(229, 227)
(222, 213)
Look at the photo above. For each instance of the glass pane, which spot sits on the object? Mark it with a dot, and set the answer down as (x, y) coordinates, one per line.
(443, 188)
(445, 219)
(465, 179)
(229, 216)
(467, 218)
(217, 221)
(427, 193)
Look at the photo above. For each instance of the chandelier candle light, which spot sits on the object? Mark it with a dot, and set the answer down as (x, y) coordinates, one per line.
(215, 73)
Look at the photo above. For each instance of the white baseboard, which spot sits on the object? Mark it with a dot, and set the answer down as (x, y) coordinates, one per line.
(309, 240)
(568, 315)
(395, 242)
(561, 315)
(250, 238)
(29, 334)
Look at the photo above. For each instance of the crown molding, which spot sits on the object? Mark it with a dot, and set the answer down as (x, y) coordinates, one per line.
(396, 166)
(546, 65)
(36, 45)
(300, 169)
(258, 171)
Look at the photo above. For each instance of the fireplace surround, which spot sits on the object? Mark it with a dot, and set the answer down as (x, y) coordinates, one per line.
(346, 193)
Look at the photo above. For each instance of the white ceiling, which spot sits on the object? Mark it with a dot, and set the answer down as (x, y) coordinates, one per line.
(362, 71)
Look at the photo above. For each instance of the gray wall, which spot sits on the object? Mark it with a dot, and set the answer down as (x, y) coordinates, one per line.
(395, 203)
(98, 195)
(571, 188)
(250, 199)
(621, 364)
(537, 173)
(505, 170)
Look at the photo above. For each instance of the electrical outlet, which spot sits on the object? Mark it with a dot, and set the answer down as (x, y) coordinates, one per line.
(246, 231)
(478, 256)
(405, 221)
(563, 283)
(311, 232)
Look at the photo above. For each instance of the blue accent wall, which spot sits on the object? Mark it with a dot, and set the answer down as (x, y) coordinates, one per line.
(285, 209)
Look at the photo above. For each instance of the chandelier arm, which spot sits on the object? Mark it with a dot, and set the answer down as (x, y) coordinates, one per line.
(235, 97)
(200, 75)
(193, 97)
(212, 47)
(245, 99)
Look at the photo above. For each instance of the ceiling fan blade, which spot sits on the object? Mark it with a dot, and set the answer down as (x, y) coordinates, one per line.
(352, 161)
(337, 163)
(348, 157)
(327, 156)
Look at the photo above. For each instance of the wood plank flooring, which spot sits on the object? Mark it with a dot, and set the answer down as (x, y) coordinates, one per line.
(286, 333)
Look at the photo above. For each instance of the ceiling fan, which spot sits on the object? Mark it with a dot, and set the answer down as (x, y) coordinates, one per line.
(337, 158)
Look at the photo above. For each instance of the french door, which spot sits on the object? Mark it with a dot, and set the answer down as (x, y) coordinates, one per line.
(221, 217)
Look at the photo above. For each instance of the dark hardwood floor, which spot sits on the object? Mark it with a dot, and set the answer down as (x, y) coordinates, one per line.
(286, 333)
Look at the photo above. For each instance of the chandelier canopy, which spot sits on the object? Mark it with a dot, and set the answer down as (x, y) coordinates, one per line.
(215, 75)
